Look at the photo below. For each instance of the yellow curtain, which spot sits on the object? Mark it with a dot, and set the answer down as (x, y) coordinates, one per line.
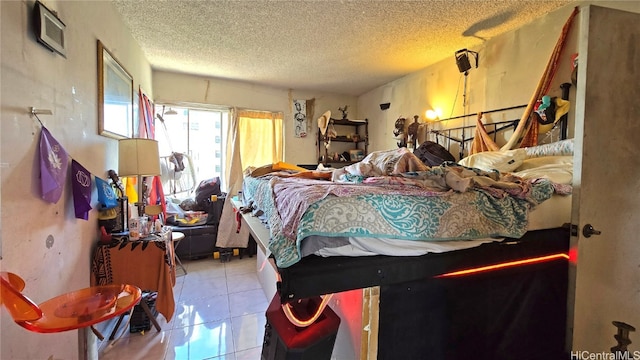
(260, 138)
(254, 139)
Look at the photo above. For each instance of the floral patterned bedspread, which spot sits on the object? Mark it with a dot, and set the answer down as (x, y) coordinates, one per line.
(443, 203)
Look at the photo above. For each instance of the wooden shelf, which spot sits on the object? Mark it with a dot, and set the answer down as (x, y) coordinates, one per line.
(349, 122)
(346, 139)
(360, 127)
(343, 163)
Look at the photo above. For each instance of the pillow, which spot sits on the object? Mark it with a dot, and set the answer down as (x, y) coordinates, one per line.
(503, 161)
(563, 147)
(558, 173)
(545, 160)
(558, 169)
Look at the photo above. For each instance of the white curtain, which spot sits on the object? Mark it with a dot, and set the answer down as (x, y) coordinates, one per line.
(254, 139)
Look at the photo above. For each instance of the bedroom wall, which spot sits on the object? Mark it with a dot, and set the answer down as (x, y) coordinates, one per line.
(510, 68)
(174, 88)
(43, 242)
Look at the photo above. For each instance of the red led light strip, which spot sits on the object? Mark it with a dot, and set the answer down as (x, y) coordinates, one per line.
(505, 265)
(325, 299)
(293, 318)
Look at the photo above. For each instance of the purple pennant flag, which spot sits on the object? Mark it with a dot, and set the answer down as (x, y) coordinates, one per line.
(81, 185)
(54, 162)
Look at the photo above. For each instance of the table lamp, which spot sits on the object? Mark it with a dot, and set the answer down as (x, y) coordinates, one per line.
(140, 158)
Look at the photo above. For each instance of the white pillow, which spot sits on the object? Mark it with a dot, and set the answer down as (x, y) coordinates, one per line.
(545, 160)
(558, 173)
(503, 161)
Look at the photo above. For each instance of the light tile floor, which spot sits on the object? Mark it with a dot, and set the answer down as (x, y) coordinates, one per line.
(220, 314)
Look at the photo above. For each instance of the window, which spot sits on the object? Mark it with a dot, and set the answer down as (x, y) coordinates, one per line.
(202, 134)
(198, 133)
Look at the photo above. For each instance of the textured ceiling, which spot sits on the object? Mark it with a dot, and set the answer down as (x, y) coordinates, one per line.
(346, 47)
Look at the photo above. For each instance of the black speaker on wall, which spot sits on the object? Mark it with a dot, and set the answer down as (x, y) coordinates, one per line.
(385, 106)
(462, 59)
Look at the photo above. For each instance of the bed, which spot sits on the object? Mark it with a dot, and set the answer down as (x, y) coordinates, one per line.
(410, 233)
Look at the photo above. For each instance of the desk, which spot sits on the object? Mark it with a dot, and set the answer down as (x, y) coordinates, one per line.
(148, 265)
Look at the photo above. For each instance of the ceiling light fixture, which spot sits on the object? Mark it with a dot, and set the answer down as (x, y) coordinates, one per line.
(171, 112)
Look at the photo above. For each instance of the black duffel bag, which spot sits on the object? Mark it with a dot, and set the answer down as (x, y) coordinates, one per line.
(205, 190)
(433, 154)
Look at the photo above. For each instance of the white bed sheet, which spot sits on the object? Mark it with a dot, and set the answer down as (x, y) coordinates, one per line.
(374, 246)
(552, 213)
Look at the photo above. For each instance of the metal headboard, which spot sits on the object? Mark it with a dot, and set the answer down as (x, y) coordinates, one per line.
(447, 135)
(466, 132)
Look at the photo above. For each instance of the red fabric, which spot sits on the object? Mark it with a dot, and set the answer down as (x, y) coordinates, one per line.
(482, 141)
(146, 129)
(156, 196)
(146, 124)
(526, 134)
(531, 136)
(238, 217)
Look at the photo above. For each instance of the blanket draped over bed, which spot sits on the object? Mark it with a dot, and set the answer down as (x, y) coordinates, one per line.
(448, 202)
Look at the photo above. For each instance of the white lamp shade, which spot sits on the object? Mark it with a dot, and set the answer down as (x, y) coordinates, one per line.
(138, 157)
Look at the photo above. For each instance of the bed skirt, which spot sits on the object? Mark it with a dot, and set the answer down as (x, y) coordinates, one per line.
(315, 275)
(518, 313)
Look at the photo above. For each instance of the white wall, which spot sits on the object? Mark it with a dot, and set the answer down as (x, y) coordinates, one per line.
(511, 65)
(30, 75)
(180, 88)
(43, 242)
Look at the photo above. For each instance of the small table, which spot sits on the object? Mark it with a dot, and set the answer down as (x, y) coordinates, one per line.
(176, 237)
(147, 264)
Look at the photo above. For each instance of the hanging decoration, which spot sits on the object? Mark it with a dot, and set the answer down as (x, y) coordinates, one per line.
(106, 196)
(300, 118)
(54, 166)
(81, 185)
(54, 162)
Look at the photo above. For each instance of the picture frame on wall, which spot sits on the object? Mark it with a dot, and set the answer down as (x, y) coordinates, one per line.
(115, 97)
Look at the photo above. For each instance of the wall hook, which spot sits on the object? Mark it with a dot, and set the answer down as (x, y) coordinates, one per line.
(622, 337)
(35, 113)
